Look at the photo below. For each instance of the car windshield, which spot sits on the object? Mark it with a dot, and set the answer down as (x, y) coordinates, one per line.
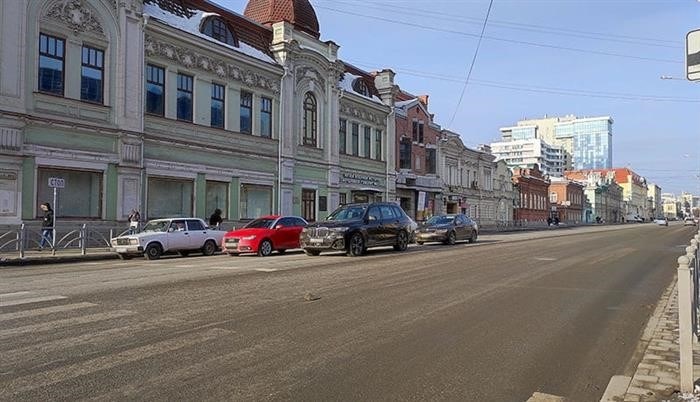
(260, 223)
(156, 226)
(440, 220)
(347, 212)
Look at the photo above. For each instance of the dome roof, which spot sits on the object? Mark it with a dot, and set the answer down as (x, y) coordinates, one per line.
(298, 12)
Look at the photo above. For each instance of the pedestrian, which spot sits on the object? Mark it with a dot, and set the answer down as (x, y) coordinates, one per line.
(215, 219)
(46, 226)
(134, 219)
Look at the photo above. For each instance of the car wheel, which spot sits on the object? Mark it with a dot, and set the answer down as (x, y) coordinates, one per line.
(184, 253)
(401, 241)
(451, 238)
(209, 247)
(313, 253)
(265, 248)
(125, 257)
(473, 238)
(357, 245)
(153, 252)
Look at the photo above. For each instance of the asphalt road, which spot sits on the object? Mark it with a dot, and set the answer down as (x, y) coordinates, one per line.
(494, 321)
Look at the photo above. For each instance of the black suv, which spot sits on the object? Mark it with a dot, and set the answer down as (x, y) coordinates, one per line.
(355, 227)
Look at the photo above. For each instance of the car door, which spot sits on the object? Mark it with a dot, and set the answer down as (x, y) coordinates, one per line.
(284, 232)
(461, 228)
(299, 225)
(390, 224)
(373, 226)
(177, 237)
(197, 233)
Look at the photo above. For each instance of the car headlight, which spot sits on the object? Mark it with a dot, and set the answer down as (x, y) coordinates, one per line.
(134, 241)
(341, 229)
(251, 237)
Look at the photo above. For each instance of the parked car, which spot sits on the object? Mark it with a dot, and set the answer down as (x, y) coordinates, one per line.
(448, 229)
(265, 235)
(688, 221)
(354, 228)
(159, 236)
(661, 221)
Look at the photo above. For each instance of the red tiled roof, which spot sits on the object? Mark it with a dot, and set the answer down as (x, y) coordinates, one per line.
(298, 12)
(622, 175)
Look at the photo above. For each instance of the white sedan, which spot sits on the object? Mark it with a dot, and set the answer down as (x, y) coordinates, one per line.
(661, 221)
(182, 235)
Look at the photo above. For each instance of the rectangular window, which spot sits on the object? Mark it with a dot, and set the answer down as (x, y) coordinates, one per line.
(218, 103)
(246, 112)
(217, 197)
(9, 193)
(342, 136)
(415, 131)
(155, 90)
(355, 139)
(308, 205)
(256, 201)
(405, 154)
(92, 75)
(430, 162)
(82, 197)
(169, 198)
(378, 145)
(342, 198)
(367, 142)
(420, 133)
(51, 61)
(184, 97)
(266, 117)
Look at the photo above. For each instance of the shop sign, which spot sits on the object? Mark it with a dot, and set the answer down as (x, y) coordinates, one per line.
(354, 178)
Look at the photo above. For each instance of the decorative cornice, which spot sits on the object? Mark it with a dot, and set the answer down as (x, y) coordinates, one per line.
(194, 60)
(76, 14)
(311, 74)
(360, 113)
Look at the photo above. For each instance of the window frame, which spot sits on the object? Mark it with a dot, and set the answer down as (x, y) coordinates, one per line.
(431, 160)
(405, 146)
(308, 204)
(182, 79)
(217, 27)
(378, 144)
(222, 99)
(154, 67)
(343, 136)
(62, 58)
(246, 103)
(355, 139)
(421, 133)
(98, 52)
(367, 142)
(310, 131)
(266, 112)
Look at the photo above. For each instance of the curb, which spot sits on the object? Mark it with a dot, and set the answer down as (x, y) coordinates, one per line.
(14, 262)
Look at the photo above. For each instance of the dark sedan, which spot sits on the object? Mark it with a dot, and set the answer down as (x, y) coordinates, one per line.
(448, 229)
(355, 227)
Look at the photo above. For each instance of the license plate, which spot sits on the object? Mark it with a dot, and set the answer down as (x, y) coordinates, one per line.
(316, 241)
(121, 250)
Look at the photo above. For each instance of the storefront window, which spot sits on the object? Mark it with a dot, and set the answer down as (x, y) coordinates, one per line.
(8, 193)
(81, 198)
(217, 197)
(169, 198)
(308, 205)
(256, 201)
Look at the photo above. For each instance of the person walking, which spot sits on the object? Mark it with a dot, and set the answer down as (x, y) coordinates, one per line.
(215, 219)
(46, 226)
(134, 220)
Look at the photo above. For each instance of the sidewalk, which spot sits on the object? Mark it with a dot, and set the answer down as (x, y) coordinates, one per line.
(657, 376)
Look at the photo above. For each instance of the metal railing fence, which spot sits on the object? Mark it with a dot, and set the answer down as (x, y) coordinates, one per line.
(688, 310)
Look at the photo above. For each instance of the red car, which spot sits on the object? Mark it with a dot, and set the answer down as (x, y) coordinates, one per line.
(264, 235)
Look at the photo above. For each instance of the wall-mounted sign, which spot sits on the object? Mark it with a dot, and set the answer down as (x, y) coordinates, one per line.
(362, 179)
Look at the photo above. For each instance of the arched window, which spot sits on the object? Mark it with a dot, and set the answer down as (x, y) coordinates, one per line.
(360, 86)
(310, 120)
(216, 28)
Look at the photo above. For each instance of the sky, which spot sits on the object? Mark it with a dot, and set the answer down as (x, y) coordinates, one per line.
(537, 58)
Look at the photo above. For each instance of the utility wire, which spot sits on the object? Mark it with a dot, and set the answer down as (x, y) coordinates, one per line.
(494, 38)
(524, 27)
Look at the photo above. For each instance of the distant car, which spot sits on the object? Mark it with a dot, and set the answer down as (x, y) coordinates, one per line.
(159, 236)
(689, 222)
(355, 227)
(661, 221)
(447, 229)
(265, 235)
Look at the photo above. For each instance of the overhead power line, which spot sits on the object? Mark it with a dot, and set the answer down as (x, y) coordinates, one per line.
(494, 38)
(607, 37)
(471, 65)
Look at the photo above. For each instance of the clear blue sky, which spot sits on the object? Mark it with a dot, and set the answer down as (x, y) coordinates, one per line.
(539, 57)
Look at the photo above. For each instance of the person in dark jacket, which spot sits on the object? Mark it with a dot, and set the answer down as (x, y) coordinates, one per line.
(46, 226)
(215, 219)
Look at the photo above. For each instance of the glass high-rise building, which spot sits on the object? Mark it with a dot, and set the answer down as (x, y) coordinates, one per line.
(590, 140)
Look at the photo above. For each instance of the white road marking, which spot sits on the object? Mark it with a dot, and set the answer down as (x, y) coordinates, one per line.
(44, 311)
(5, 296)
(266, 269)
(30, 300)
(48, 326)
(43, 379)
(545, 259)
